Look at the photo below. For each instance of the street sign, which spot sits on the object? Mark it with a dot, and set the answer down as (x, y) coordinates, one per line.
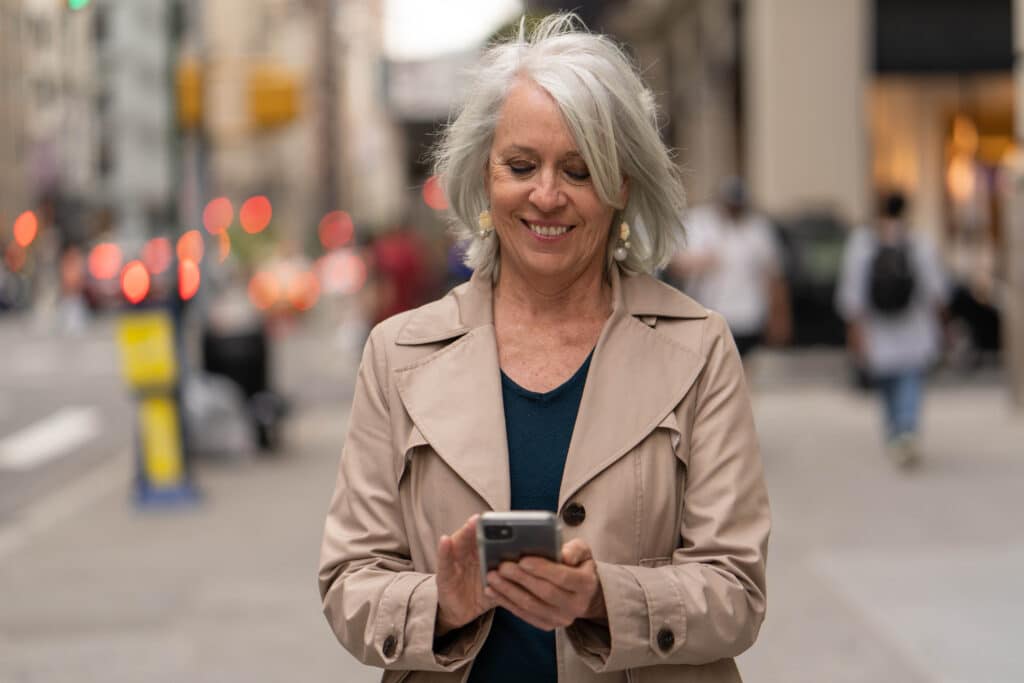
(146, 342)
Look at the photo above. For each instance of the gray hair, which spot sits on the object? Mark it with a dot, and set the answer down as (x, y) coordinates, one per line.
(609, 112)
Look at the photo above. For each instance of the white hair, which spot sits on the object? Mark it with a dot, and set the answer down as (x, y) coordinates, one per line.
(609, 112)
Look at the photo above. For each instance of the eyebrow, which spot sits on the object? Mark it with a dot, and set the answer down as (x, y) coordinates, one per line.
(530, 150)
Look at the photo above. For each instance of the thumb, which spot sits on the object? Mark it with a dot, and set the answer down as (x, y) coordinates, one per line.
(444, 555)
(576, 552)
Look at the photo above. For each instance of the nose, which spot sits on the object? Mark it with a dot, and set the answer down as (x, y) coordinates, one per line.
(546, 194)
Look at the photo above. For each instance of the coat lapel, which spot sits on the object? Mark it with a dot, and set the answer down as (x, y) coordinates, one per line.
(454, 395)
(637, 377)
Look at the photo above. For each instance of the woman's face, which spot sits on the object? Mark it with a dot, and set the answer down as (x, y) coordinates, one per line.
(551, 223)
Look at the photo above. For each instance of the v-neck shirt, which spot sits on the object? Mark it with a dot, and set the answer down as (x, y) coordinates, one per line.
(539, 427)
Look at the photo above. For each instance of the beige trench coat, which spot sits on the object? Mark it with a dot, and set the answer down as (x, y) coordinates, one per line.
(663, 478)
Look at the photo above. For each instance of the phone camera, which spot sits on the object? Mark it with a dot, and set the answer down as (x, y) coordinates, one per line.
(498, 533)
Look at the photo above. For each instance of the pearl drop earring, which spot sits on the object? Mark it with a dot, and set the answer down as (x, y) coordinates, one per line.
(622, 251)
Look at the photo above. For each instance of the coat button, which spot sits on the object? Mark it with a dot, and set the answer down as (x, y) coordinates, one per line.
(574, 514)
(389, 646)
(666, 639)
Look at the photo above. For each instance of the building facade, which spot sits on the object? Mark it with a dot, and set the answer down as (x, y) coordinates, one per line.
(13, 142)
(135, 129)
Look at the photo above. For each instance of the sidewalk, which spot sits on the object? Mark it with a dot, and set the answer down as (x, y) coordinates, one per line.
(874, 575)
(882, 575)
(222, 592)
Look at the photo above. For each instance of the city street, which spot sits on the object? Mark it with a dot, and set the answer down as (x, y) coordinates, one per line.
(875, 575)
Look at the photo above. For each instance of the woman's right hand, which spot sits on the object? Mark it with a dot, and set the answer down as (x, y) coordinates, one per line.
(460, 593)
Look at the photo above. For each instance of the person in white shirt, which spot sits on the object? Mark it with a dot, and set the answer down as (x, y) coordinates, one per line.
(894, 336)
(731, 264)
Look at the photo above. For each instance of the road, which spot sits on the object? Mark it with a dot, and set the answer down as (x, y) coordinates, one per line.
(63, 409)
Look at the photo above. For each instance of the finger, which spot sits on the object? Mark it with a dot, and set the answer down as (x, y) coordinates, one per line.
(516, 601)
(464, 541)
(532, 619)
(550, 593)
(576, 552)
(576, 580)
(444, 553)
(521, 596)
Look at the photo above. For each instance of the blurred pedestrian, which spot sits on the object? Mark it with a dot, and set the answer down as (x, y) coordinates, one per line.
(892, 291)
(561, 377)
(732, 265)
(72, 311)
(403, 276)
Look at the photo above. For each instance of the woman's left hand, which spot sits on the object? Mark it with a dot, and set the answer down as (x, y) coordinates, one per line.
(548, 594)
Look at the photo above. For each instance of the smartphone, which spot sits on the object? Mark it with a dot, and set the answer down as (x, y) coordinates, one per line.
(509, 536)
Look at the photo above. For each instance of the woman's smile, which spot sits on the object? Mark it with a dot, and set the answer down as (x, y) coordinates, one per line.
(546, 231)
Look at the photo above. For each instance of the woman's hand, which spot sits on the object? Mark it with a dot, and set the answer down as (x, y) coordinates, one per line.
(460, 595)
(547, 594)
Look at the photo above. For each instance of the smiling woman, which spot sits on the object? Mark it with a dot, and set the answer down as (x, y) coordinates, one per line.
(562, 378)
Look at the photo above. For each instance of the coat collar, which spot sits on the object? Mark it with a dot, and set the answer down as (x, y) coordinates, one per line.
(467, 427)
(469, 306)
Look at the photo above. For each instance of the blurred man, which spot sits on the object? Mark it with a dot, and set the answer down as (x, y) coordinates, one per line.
(732, 265)
(891, 292)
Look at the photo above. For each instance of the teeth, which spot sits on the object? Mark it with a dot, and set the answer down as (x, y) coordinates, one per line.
(549, 231)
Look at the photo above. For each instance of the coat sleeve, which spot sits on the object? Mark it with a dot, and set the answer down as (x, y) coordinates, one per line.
(708, 602)
(379, 607)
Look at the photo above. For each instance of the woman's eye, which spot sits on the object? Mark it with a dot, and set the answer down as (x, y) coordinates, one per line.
(578, 174)
(520, 168)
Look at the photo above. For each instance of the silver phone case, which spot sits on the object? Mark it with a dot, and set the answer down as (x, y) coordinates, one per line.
(535, 533)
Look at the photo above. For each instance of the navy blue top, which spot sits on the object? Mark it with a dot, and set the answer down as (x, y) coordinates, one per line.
(539, 427)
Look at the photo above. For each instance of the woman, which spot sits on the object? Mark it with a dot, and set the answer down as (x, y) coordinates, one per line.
(561, 377)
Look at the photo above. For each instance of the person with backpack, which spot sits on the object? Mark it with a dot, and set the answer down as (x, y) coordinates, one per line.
(892, 291)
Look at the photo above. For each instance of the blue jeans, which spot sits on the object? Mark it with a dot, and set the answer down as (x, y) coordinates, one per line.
(901, 394)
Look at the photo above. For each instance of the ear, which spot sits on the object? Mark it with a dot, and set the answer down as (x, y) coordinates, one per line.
(624, 191)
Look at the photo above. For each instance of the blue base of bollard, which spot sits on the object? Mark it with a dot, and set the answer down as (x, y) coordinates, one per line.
(171, 497)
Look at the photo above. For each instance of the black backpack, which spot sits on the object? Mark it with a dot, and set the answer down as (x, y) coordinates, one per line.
(891, 279)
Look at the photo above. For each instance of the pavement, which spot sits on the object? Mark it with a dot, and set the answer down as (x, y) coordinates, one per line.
(875, 574)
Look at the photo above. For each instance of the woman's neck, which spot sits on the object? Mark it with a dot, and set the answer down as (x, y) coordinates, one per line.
(584, 296)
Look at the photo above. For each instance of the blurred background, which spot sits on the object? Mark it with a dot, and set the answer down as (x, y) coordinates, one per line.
(206, 204)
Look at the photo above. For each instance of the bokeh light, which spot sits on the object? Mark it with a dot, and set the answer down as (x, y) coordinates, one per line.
(157, 255)
(135, 281)
(303, 291)
(341, 272)
(264, 290)
(15, 257)
(335, 230)
(189, 278)
(255, 214)
(217, 215)
(26, 227)
(105, 261)
(433, 195)
(190, 246)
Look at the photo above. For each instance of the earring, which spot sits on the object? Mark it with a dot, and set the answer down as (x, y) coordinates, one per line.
(622, 251)
(485, 223)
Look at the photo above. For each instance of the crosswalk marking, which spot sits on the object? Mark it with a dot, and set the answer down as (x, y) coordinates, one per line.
(52, 437)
